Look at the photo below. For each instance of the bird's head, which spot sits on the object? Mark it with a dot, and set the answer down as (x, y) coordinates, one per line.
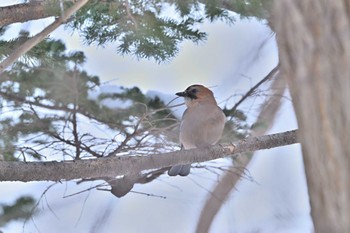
(196, 94)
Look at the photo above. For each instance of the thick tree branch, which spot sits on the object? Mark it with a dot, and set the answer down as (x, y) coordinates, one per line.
(29, 44)
(24, 12)
(128, 165)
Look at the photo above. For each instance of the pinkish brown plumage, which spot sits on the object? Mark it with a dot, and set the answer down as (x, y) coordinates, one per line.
(202, 123)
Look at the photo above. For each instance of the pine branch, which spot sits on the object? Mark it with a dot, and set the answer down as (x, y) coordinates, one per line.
(29, 44)
(128, 165)
(79, 110)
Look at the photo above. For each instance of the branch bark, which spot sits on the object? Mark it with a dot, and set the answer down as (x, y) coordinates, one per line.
(39, 9)
(128, 165)
(29, 44)
(24, 12)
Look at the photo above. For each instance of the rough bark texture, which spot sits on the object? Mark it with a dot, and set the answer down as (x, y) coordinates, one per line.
(129, 165)
(37, 9)
(30, 43)
(314, 43)
(24, 12)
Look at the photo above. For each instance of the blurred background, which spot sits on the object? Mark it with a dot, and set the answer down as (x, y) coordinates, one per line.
(88, 82)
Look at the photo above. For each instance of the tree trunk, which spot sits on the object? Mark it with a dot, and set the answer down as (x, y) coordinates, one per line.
(314, 43)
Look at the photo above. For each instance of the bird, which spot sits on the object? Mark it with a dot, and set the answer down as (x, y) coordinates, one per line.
(201, 125)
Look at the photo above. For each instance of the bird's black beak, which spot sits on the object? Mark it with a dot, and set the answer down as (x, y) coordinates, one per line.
(183, 94)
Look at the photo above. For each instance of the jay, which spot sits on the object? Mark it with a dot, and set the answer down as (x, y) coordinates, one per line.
(202, 123)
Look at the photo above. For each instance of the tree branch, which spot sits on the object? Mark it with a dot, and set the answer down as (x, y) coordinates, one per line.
(29, 44)
(256, 86)
(24, 12)
(128, 165)
(79, 110)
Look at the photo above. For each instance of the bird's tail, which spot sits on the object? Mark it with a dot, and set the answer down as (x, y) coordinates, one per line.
(182, 170)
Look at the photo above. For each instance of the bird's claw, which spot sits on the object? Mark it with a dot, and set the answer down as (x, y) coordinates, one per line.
(231, 147)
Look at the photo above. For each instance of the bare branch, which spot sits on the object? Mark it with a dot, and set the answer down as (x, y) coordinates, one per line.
(79, 110)
(128, 165)
(74, 117)
(256, 86)
(128, 137)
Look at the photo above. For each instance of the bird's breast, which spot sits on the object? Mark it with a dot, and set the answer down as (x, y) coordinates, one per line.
(201, 126)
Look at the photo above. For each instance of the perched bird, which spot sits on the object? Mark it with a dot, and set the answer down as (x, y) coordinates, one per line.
(201, 125)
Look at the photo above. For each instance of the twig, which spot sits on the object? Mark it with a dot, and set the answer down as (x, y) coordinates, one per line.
(74, 118)
(149, 194)
(256, 86)
(80, 110)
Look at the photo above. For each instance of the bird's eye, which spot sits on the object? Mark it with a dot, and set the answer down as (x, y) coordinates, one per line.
(194, 91)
